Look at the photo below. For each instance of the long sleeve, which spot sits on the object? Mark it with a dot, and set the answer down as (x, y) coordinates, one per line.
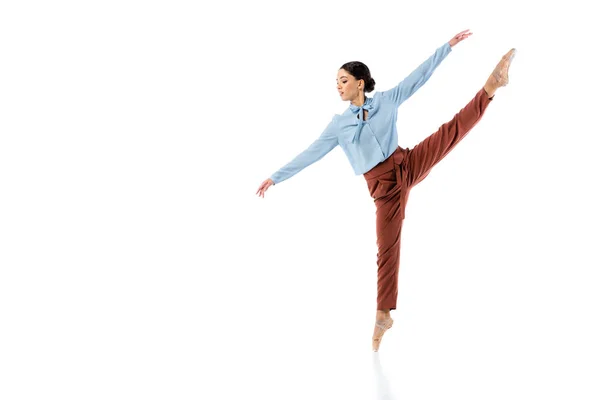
(317, 150)
(418, 77)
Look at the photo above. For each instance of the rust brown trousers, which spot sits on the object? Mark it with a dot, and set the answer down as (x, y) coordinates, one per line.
(389, 184)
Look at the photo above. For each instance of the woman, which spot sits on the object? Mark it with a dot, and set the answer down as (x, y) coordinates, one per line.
(366, 131)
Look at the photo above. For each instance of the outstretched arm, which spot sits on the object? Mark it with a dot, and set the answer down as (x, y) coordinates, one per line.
(419, 76)
(317, 150)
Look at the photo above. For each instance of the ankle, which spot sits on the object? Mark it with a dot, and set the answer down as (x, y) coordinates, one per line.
(490, 90)
(383, 314)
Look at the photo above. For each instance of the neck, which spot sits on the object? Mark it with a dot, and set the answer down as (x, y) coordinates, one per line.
(359, 100)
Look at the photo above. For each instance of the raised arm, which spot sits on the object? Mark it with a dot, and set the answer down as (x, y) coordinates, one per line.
(419, 76)
(317, 150)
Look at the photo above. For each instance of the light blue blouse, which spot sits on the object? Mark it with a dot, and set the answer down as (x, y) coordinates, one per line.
(366, 143)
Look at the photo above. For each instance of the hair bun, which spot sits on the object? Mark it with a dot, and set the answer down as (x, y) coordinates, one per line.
(370, 85)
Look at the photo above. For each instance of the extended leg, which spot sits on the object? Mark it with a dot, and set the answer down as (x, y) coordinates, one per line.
(424, 156)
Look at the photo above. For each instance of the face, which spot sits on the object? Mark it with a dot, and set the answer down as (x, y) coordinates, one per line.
(348, 86)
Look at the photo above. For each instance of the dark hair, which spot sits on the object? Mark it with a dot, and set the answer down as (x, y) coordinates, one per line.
(360, 71)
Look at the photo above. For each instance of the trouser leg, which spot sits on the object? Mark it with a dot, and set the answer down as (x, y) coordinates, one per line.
(389, 217)
(389, 194)
(424, 156)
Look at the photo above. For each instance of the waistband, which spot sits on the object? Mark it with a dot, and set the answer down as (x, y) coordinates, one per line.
(389, 164)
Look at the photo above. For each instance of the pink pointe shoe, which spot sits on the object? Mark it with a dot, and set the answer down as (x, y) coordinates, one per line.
(380, 327)
(499, 77)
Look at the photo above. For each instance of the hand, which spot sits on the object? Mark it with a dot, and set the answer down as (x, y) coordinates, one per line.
(459, 37)
(263, 187)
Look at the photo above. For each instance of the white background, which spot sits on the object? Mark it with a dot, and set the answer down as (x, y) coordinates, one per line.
(136, 261)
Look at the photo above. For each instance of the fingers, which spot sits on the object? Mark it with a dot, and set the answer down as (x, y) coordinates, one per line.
(260, 188)
(459, 37)
(463, 35)
(263, 188)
